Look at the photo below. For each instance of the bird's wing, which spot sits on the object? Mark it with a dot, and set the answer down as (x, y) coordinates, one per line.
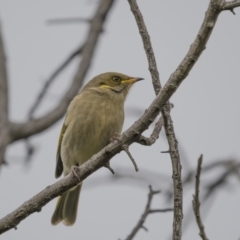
(59, 165)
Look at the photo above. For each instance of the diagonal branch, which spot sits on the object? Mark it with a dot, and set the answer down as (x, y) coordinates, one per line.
(129, 136)
(196, 203)
(50, 80)
(168, 123)
(34, 126)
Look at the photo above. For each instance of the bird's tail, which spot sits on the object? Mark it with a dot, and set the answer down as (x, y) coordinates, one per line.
(66, 208)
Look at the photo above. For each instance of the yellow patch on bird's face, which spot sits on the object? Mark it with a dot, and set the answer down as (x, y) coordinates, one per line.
(105, 86)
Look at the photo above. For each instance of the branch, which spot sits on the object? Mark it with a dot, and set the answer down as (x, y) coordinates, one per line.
(168, 123)
(146, 212)
(126, 149)
(50, 80)
(4, 127)
(154, 136)
(231, 5)
(196, 203)
(27, 129)
(222, 179)
(129, 136)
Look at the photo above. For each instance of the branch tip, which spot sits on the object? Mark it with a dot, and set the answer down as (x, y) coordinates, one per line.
(196, 202)
(126, 149)
(232, 11)
(168, 151)
(108, 166)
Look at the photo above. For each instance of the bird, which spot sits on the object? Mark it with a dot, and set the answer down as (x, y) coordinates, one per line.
(93, 117)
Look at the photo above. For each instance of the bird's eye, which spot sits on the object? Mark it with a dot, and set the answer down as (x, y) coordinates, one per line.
(116, 79)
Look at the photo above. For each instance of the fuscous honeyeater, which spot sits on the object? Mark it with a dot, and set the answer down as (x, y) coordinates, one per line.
(93, 117)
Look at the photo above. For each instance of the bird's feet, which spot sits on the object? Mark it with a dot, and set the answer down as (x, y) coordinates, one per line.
(74, 170)
(116, 137)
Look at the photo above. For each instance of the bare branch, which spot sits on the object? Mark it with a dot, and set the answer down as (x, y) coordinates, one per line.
(231, 5)
(152, 65)
(168, 123)
(4, 126)
(108, 166)
(3, 82)
(154, 136)
(126, 149)
(146, 212)
(50, 80)
(24, 130)
(196, 203)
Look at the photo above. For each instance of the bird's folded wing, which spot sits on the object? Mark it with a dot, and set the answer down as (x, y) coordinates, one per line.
(59, 165)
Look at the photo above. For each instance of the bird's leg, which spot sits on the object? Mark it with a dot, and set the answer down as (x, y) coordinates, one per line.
(73, 171)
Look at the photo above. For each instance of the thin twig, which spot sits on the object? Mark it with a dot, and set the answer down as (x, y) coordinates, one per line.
(108, 166)
(126, 149)
(221, 180)
(168, 123)
(4, 126)
(196, 203)
(167, 151)
(146, 212)
(231, 5)
(68, 20)
(51, 79)
(154, 136)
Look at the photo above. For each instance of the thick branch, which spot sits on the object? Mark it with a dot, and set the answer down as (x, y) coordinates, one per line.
(24, 130)
(129, 136)
(50, 80)
(168, 123)
(4, 127)
(146, 212)
(196, 203)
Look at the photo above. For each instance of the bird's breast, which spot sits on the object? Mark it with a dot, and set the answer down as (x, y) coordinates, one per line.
(92, 123)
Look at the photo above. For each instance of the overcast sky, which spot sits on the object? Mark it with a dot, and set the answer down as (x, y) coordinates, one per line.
(206, 114)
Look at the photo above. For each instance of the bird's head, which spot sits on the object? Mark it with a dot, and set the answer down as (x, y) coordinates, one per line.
(112, 82)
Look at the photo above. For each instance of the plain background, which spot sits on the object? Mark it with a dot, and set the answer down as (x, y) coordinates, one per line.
(206, 114)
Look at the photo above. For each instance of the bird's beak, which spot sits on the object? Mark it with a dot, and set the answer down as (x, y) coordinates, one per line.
(133, 80)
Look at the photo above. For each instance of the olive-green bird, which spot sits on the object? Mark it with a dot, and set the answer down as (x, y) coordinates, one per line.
(93, 117)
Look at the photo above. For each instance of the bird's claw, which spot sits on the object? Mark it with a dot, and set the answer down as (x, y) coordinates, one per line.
(116, 137)
(74, 170)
